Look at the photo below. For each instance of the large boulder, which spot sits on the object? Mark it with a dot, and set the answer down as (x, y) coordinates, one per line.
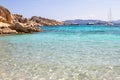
(7, 30)
(21, 28)
(4, 29)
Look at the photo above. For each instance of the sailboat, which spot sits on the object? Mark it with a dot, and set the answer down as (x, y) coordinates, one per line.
(110, 18)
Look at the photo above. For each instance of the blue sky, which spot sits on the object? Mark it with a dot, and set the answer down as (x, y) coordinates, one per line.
(65, 9)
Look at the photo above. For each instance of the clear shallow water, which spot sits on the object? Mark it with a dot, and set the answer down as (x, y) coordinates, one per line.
(62, 53)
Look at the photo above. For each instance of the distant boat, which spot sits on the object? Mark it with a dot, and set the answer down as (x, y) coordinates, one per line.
(110, 23)
(74, 24)
(110, 18)
(90, 23)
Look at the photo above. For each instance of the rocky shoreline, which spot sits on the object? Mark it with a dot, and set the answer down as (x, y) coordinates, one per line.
(17, 24)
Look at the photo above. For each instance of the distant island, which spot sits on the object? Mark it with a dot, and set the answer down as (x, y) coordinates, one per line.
(15, 23)
(90, 21)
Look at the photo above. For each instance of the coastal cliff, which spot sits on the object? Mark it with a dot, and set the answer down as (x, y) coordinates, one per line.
(15, 23)
(5, 21)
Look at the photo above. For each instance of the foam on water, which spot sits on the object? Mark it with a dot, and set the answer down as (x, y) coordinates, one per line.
(62, 53)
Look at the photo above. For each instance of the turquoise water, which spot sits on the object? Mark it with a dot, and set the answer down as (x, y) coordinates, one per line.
(62, 53)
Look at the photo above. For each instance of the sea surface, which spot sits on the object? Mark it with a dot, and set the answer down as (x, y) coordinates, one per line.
(84, 52)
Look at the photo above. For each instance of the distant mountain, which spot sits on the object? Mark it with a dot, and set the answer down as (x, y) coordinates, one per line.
(80, 21)
(117, 22)
(84, 22)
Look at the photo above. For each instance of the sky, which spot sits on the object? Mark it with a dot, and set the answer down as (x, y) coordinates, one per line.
(64, 9)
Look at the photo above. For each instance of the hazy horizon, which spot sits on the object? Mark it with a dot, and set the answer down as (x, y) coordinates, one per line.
(65, 9)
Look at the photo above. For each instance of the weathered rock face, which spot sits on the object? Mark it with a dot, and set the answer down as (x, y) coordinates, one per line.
(22, 24)
(5, 15)
(19, 18)
(5, 21)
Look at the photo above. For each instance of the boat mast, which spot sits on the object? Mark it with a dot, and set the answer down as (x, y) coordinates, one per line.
(110, 16)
